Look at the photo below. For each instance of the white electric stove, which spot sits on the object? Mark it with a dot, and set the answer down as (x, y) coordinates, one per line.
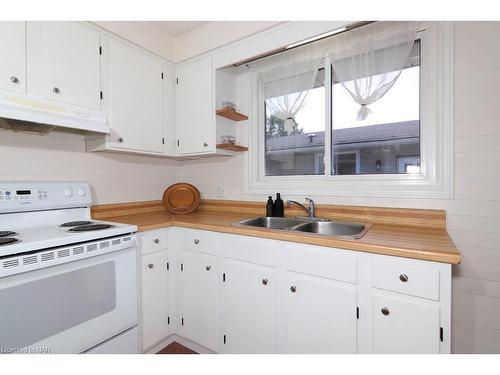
(68, 284)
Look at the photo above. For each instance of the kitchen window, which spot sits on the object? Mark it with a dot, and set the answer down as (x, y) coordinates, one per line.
(400, 148)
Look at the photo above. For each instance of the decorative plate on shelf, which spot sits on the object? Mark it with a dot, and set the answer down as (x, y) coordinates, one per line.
(181, 198)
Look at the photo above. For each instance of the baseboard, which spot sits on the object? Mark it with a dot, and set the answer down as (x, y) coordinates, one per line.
(181, 340)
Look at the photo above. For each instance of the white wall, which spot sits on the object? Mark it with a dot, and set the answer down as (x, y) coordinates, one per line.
(473, 215)
(60, 156)
(216, 34)
(144, 34)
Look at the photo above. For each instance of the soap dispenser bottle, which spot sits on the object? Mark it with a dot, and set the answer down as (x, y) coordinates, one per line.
(270, 207)
(279, 210)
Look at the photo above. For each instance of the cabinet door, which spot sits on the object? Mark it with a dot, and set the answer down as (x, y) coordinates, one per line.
(320, 315)
(71, 64)
(134, 98)
(195, 113)
(13, 61)
(154, 298)
(198, 298)
(249, 303)
(405, 325)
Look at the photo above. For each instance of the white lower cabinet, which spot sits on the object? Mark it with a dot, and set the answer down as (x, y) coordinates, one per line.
(240, 294)
(320, 315)
(249, 308)
(403, 325)
(154, 298)
(197, 283)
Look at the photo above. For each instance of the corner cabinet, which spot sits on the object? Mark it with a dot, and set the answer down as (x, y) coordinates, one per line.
(134, 96)
(195, 103)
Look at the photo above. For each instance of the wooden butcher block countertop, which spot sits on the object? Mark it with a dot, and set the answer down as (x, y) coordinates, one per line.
(409, 233)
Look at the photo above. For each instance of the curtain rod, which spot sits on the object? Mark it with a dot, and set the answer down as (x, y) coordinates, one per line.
(291, 46)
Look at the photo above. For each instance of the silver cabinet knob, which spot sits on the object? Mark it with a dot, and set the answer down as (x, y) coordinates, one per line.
(293, 288)
(14, 79)
(205, 144)
(403, 278)
(56, 90)
(156, 240)
(385, 311)
(150, 265)
(120, 140)
(196, 241)
(264, 281)
(208, 268)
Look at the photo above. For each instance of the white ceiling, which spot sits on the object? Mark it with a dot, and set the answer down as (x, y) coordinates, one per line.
(176, 28)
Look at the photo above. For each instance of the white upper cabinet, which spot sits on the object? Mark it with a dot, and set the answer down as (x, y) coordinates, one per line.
(71, 64)
(134, 98)
(13, 61)
(320, 315)
(195, 113)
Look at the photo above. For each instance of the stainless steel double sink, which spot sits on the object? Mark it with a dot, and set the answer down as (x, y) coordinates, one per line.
(306, 225)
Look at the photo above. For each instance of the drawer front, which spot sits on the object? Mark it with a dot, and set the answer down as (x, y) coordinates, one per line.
(198, 240)
(320, 261)
(251, 249)
(154, 240)
(408, 279)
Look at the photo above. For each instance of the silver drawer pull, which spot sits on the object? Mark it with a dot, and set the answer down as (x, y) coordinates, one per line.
(403, 278)
(156, 240)
(150, 265)
(264, 281)
(196, 241)
(385, 311)
(14, 79)
(208, 268)
(293, 288)
(56, 90)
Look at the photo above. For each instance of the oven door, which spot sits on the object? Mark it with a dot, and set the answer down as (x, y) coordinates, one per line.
(71, 307)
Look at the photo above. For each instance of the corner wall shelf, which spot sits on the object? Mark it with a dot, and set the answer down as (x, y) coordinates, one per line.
(231, 148)
(231, 115)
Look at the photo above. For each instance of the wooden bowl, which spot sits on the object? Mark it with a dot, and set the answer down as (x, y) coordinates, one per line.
(181, 198)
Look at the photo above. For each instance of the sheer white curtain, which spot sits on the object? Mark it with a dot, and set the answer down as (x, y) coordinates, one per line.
(368, 61)
(286, 79)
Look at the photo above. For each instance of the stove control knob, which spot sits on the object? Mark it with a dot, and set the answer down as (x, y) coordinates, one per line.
(82, 192)
(68, 192)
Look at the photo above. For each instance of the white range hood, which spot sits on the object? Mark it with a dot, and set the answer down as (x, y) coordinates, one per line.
(44, 111)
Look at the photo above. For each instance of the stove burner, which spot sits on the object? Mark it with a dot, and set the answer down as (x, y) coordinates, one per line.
(7, 240)
(4, 233)
(89, 227)
(76, 223)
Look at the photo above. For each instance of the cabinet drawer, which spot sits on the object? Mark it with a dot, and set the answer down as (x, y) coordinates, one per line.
(154, 240)
(408, 279)
(320, 261)
(198, 240)
(251, 249)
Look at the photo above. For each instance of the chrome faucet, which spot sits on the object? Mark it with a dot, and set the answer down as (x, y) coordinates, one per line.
(311, 211)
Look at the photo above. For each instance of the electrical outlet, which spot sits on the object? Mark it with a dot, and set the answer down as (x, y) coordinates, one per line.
(221, 191)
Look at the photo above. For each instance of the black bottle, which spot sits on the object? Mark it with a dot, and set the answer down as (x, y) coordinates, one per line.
(278, 206)
(270, 207)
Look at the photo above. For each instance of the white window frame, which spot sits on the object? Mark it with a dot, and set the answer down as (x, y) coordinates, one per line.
(436, 121)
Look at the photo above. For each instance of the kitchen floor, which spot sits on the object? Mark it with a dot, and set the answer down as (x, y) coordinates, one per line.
(176, 348)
